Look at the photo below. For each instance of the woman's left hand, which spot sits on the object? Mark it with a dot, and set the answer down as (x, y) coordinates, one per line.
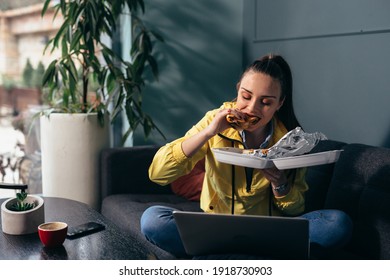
(278, 179)
(275, 176)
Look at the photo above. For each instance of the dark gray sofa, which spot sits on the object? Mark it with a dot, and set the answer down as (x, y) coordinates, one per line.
(359, 184)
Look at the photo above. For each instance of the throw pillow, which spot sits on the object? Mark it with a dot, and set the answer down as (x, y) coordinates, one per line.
(190, 185)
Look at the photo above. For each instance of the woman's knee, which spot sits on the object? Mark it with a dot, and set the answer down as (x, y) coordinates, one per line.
(154, 218)
(159, 227)
(339, 220)
(329, 227)
(343, 222)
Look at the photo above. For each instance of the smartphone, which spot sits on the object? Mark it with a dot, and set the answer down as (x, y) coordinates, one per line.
(84, 229)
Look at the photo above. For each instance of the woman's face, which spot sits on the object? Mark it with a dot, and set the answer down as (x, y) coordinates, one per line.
(259, 95)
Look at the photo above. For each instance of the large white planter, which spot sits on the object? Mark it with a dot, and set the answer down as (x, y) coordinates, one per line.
(71, 146)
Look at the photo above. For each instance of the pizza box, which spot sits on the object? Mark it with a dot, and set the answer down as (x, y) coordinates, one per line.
(238, 157)
(307, 160)
(241, 157)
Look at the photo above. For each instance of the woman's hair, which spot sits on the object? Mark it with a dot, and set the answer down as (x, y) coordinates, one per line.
(276, 67)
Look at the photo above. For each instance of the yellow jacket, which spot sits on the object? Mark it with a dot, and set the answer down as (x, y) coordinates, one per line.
(170, 163)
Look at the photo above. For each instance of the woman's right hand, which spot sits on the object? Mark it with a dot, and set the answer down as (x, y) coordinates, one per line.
(191, 145)
(219, 123)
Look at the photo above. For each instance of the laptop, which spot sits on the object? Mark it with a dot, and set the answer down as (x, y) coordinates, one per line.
(265, 236)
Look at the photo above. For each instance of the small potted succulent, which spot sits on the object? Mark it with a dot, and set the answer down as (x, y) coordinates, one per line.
(21, 214)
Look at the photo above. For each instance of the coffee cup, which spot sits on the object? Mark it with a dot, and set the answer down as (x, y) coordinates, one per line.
(52, 234)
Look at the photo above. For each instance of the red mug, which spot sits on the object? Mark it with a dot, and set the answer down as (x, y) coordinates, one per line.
(52, 234)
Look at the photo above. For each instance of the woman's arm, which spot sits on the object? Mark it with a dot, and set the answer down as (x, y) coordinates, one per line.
(193, 144)
(180, 156)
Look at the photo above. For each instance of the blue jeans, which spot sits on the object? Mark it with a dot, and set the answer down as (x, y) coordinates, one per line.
(327, 229)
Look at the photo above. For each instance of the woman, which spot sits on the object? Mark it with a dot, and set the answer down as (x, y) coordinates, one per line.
(264, 92)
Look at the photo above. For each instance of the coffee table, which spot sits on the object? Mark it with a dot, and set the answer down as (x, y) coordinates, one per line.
(108, 244)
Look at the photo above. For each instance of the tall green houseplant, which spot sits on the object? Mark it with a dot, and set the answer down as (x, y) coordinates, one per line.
(86, 58)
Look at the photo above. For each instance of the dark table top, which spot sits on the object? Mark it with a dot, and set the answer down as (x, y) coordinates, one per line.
(108, 244)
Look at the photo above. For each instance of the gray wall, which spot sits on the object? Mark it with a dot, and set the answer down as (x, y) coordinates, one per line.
(339, 52)
(200, 62)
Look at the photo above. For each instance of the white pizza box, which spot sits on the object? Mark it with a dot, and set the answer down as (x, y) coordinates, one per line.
(241, 157)
(307, 160)
(237, 156)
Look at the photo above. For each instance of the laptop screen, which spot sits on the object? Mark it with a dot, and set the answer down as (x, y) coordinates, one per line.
(265, 236)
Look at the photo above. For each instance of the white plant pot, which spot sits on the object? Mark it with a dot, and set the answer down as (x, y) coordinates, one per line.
(22, 222)
(71, 145)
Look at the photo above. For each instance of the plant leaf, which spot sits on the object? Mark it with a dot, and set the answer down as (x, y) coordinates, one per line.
(45, 6)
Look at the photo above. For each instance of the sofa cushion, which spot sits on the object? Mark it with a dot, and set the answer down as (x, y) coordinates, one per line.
(190, 186)
(361, 187)
(125, 211)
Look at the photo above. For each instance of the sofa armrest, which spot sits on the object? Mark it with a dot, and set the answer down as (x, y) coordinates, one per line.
(360, 187)
(125, 170)
(319, 177)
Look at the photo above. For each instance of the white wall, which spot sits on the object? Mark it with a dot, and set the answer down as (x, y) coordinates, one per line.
(339, 52)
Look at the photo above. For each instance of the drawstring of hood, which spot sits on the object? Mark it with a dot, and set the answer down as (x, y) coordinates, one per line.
(248, 171)
(233, 183)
